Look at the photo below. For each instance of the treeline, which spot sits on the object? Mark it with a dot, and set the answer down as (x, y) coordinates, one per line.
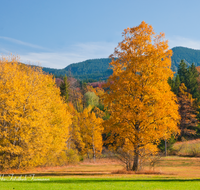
(43, 124)
(34, 119)
(188, 55)
(67, 122)
(186, 85)
(98, 69)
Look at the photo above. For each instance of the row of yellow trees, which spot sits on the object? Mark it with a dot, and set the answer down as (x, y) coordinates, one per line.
(38, 126)
(34, 120)
(86, 133)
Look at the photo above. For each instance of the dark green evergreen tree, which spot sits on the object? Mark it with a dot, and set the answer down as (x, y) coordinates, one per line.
(182, 71)
(64, 88)
(191, 82)
(174, 83)
(177, 83)
(188, 76)
(171, 83)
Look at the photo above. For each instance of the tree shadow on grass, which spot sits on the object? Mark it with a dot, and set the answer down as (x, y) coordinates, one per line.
(59, 174)
(76, 181)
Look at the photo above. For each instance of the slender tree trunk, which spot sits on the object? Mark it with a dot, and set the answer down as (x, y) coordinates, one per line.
(165, 147)
(94, 153)
(87, 151)
(136, 159)
(127, 166)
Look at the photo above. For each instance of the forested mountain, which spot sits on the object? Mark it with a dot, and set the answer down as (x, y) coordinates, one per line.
(188, 55)
(98, 69)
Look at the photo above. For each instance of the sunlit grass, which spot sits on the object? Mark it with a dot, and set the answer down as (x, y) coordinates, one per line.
(175, 173)
(103, 183)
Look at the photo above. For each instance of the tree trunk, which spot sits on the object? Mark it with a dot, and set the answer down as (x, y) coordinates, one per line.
(165, 147)
(136, 163)
(94, 153)
(136, 149)
(136, 159)
(127, 166)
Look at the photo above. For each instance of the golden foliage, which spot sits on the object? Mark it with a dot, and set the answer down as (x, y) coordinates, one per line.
(34, 119)
(91, 132)
(85, 133)
(142, 107)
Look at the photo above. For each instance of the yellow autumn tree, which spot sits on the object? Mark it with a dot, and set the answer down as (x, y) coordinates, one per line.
(143, 110)
(85, 132)
(34, 119)
(75, 140)
(91, 132)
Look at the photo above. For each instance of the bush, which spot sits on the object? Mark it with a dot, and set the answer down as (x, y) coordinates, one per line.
(187, 148)
(72, 156)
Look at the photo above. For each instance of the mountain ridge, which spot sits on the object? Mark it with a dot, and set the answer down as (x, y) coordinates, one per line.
(98, 69)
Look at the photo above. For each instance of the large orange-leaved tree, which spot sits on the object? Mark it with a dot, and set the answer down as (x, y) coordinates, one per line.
(143, 109)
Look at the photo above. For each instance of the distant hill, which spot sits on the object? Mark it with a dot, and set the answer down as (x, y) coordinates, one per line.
(188, 55)
(97, 69)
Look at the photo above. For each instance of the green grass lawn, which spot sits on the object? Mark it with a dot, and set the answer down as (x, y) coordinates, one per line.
(96, 183)
(177, 173)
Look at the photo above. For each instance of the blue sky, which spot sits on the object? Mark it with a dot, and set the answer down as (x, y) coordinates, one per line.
(56, 33)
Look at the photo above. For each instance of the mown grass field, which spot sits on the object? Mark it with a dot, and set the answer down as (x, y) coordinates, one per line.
(104, 184)
(175, 173)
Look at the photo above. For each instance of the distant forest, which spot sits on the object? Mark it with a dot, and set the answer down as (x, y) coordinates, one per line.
(188, 55)
(98, 69)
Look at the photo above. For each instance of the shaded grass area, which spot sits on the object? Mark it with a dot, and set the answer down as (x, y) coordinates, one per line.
(103, 183)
